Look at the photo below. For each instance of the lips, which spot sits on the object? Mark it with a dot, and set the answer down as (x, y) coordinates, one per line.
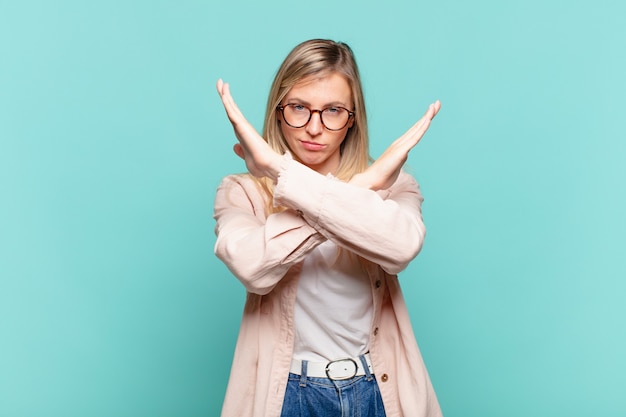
(312, 146)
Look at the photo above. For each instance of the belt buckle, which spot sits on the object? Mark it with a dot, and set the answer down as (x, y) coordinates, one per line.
(341, 367)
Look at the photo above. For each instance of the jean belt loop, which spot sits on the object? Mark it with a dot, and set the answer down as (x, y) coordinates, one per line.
(303, 374)
(368, 374)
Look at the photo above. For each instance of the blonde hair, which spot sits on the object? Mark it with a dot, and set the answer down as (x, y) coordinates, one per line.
(318, 57)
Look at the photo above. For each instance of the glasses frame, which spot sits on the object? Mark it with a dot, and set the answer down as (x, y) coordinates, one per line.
(311, 111)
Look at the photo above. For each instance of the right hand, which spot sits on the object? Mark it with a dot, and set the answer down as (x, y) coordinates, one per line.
(261, 159)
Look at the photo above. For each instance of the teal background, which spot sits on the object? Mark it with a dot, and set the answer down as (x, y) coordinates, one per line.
(113, 140)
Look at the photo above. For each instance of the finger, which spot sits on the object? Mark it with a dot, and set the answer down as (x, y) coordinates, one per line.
(422, 124)
(437, 106)
(428, 116)
(430, 112)
(232, 110)
(239, 151)
(415, 133)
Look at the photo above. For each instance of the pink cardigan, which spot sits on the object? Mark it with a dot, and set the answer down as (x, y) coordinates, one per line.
(265, 254)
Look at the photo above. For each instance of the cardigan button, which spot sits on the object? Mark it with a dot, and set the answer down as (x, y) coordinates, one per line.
(300, 213)
(384, 377)
(378, 283)
(376, 331)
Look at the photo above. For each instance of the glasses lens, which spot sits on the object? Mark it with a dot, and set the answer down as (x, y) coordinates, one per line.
(335, 118)
(296, 115)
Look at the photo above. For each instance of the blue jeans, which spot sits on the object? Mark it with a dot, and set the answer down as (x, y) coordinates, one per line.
(322, 397)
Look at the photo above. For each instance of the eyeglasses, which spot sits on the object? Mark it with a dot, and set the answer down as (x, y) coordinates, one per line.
(298, 115)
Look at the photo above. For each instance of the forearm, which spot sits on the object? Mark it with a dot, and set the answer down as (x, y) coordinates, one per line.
(256, 249)
(384, 227)
(260, 257)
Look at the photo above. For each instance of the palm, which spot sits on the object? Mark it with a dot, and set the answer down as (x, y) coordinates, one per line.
(261, 160)
(385, 170)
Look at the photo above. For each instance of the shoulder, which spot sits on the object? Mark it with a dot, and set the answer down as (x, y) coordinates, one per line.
(237, 181)
(241, 190)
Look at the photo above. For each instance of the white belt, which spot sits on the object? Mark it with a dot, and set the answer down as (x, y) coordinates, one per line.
(338, 370)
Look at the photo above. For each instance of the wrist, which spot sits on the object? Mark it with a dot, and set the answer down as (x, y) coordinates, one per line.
(362, 180)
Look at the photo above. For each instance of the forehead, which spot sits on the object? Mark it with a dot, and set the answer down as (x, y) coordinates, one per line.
(322, 89)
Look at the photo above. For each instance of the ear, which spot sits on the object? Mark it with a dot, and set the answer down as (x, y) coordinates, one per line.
(279, 115)
(351, 122)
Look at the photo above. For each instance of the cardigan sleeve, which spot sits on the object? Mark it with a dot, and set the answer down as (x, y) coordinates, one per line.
(383, 227)
(256, 248)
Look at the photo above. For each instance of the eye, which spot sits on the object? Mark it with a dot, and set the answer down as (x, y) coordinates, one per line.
(298, 108)
(333, 110)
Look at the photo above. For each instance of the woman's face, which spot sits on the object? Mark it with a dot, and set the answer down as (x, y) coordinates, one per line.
(314, 145)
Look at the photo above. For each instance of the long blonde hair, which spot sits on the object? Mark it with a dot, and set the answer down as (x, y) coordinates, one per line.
(318, 57)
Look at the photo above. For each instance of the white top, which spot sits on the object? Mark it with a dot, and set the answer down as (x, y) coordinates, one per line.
(334, 306)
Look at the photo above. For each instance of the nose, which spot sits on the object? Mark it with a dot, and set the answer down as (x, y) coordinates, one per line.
(315, 126)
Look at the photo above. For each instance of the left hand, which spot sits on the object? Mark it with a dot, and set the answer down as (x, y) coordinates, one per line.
(385, 170)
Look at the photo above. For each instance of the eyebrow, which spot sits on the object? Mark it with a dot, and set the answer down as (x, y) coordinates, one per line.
(306, 103)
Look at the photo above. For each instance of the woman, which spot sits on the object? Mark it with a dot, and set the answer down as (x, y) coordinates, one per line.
(317, 234)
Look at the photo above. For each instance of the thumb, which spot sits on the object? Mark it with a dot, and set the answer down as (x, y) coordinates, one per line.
(239, 151)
